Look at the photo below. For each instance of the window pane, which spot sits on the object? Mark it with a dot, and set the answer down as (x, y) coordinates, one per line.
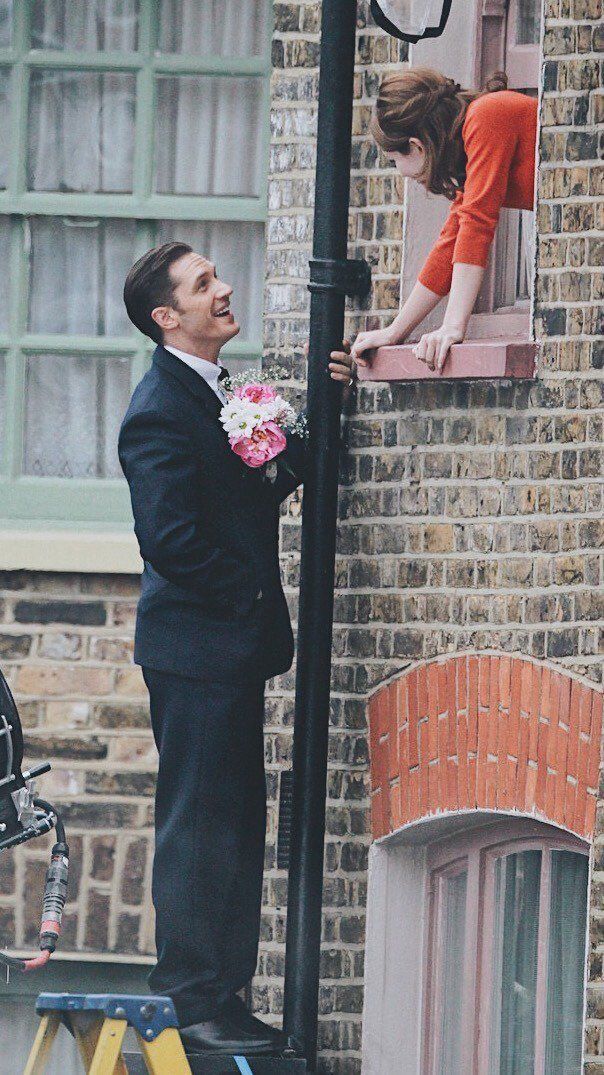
(4, 260)
(73, 410)
(6, 23)
(211, 139)
(528, 22)
(81, 131)
(4, 123)
(517, 882)
(213, 27)
(450, 1000)
(2, 402)
(80, 24)
(237, 251)
(91, 259)
(566, 962)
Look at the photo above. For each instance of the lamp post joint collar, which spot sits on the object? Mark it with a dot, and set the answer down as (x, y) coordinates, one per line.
(346, 276)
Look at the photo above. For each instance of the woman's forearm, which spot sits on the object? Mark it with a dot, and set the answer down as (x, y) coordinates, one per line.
(420, 303)
(465, 285)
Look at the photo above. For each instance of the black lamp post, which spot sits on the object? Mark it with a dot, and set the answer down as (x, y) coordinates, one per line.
(332, 277)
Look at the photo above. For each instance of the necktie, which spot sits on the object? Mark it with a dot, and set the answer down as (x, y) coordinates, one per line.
(222, 376)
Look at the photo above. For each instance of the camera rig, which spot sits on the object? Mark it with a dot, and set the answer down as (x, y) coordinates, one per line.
(23, 817)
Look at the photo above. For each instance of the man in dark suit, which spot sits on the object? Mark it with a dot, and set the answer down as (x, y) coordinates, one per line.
(212, 627)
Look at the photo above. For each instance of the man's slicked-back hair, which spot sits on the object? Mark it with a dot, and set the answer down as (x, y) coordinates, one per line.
(149, 284)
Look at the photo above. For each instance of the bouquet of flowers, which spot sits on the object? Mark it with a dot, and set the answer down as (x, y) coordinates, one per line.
(256, 419)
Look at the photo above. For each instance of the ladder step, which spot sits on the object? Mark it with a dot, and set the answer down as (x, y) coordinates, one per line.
(225, 1065)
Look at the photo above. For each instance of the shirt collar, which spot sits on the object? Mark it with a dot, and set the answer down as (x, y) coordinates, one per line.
(210, 371)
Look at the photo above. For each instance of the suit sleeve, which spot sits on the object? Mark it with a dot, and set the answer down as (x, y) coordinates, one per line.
(292, 466)
(162, 472)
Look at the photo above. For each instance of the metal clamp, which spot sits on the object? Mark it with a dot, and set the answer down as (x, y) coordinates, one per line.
(346, 276)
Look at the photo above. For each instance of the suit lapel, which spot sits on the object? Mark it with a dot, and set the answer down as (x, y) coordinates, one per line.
(194, 382)
(212, 406)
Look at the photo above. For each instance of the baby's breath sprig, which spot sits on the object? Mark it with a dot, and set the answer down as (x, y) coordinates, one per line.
(254, 376)
(300, 427)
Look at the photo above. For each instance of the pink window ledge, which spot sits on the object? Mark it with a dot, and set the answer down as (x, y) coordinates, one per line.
(470, 360)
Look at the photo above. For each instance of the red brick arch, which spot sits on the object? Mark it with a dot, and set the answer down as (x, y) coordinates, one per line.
(485, 731)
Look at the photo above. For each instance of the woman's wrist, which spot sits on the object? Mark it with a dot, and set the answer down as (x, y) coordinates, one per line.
(454, 326)
(395, 333)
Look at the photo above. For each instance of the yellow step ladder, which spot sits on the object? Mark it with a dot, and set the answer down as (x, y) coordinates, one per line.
(98, 1022)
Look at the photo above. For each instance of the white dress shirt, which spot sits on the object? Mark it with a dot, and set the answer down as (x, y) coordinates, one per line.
(210, 371)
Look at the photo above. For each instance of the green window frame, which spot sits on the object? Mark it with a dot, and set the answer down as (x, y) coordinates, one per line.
(34, 502)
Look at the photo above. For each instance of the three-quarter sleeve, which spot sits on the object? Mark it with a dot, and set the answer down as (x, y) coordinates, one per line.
(490, 140)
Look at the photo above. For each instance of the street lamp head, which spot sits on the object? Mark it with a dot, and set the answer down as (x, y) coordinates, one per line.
(411, 20)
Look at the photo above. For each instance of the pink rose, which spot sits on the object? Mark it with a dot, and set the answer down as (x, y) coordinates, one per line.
(256, 393)
(265, 443)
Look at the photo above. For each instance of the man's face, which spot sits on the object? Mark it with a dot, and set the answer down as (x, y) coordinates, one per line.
(202, 301)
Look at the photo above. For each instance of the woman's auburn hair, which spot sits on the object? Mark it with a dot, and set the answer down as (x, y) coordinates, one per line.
(424, 104)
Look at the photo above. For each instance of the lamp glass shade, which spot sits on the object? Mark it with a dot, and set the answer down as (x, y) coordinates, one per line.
(411, 20)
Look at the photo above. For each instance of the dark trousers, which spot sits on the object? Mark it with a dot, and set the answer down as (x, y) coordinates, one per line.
(210, 825)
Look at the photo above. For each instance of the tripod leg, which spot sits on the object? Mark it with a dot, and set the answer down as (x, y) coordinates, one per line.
(40, 1050)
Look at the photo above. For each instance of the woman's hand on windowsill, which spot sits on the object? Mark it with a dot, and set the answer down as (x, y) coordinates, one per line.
(433, 347)
(370, 341)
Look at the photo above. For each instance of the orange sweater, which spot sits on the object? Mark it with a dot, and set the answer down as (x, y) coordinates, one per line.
(499, 135)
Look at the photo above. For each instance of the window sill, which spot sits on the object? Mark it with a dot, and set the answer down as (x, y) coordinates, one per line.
(110, 552)
(484, 359)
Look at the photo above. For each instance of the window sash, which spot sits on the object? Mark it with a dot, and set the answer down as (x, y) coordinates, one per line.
(478, 853)
(51, 500)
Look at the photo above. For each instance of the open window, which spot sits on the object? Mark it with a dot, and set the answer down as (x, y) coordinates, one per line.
(482, 36)
(511, 42)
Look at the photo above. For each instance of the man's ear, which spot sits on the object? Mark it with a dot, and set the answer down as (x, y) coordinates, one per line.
(165, 317)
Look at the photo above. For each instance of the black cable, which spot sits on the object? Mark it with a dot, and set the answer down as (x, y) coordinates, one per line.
(59, 827)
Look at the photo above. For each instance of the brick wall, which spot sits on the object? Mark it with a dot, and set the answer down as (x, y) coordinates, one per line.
(66, 648)
(375, 233)
(470, 514)
(569, 292)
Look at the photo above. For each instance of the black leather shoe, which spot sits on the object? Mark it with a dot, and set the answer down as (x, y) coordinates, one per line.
(225, 1034)
(235, 1008)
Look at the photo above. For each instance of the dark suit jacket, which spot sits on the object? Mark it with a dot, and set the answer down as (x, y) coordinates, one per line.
(212, 603)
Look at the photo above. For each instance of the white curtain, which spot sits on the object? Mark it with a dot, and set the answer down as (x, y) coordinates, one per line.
(210, 128)
(208, 140)
(6, 14)
(566, 969)
(73, 410)
(91, 259)
(213, 27)
(4, 124)
(4, 260)
(514, 984)
(85, 24)
(81, 131)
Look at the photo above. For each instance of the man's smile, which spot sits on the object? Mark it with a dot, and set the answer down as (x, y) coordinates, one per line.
(224, 310)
